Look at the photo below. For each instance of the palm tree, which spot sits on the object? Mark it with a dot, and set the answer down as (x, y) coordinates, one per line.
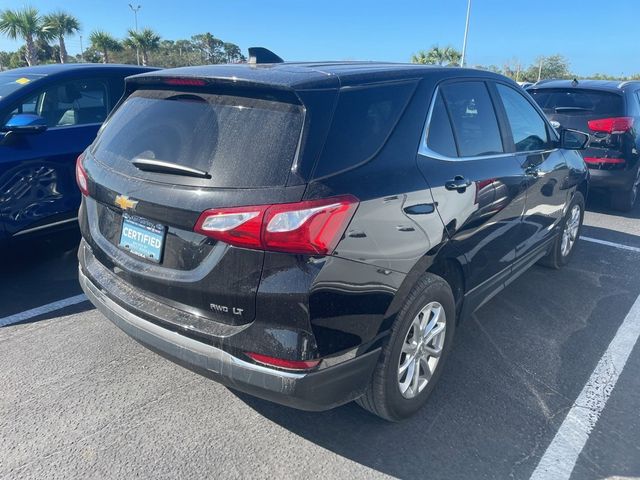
(420, 57)
(452, 55)
(60, 24)
(104, 43)
(146, 41)
(26, 24)
(438, 56)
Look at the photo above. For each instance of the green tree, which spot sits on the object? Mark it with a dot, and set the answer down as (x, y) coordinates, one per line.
(554, 66)
(232, 52)
(210, 48)
(104, 43)
(145, 40)
(438, 56)
(26, 24)
(60, 24)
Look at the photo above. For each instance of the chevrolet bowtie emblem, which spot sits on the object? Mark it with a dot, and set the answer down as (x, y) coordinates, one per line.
(125, 203)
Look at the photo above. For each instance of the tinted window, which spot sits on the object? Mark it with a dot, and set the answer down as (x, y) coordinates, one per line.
(440, 136)
(10, 82)
(579, 102)
(527, 126)
(473, 117)
(79, 102)
(239, 141)
(363, 120)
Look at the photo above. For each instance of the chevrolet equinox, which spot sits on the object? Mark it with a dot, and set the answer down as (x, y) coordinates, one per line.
(313, 233)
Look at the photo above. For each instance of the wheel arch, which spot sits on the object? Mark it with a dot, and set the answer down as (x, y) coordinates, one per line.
(442, 261)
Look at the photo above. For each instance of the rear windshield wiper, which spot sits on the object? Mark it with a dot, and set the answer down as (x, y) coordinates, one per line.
(572, 109)
(158, 166)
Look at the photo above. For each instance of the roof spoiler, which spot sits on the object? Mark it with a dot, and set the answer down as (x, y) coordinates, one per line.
(263, 55)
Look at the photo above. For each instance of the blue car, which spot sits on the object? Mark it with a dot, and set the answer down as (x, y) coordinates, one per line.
(48, 115)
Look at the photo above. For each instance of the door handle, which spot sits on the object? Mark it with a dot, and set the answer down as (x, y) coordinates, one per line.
(458, 183)
(532, 171)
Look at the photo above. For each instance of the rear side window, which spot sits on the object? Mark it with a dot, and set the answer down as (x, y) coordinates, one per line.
(241, 142)
(528, 128)
(473, 117)
(363, 119)
(579, 102)
(440, 135)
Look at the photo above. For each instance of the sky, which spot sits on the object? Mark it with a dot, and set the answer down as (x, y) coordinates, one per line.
(595, 36)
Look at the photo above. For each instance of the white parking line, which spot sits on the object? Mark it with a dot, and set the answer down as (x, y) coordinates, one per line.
(49, 307)
(610, 244)
(561, 455)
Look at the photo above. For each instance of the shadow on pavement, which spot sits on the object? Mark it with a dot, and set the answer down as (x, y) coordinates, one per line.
(598, 202)
(39, 271)
(516, 367)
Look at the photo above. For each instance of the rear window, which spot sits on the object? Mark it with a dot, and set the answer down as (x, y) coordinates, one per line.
(576, 102)
(241, 142)
(362, 122)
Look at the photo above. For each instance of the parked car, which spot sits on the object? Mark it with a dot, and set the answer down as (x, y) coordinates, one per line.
(312, 233)
(48, 115)
(610, 113)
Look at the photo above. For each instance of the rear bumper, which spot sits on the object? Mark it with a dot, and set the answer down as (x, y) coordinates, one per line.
(318, 390)
(612, 179)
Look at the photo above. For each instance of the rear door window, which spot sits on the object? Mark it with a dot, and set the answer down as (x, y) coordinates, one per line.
(473, 117)
(528, 128)
(240, 142)
(440, 135)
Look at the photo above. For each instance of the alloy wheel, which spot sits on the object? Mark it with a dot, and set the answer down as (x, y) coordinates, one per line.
(570, 232)
(421, 349)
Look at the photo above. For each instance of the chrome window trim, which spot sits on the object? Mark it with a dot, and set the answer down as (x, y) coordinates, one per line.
(427, 152)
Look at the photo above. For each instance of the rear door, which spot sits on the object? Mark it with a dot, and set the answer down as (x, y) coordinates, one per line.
(544, 167)
(227, 149)
(477, 185)
(37, 181)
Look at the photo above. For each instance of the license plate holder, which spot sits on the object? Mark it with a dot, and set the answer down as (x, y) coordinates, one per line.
(142, 237)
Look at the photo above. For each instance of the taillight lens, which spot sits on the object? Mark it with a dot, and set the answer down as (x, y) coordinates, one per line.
(240, 226)
(611, 125)
(81, 176)
(283, 363)
(600, 160)
(311, 227)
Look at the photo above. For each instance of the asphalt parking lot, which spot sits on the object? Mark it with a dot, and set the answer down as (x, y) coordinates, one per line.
(81, 400)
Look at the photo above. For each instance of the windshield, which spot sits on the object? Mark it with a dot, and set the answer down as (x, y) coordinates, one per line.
(10, 82)
(237, 141)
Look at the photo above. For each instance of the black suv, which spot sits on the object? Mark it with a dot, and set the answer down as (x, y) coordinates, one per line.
(610, 113)
(311, 233)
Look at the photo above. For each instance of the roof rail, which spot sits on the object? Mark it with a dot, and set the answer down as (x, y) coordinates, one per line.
(626, 82)
(541, 82)
(263, 55)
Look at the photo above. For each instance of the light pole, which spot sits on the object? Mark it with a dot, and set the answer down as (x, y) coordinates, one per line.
(135, 14)
(466, 33)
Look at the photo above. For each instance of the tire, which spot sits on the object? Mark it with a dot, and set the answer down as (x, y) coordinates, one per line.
(625, 200)
(559, 256)
(383, 396)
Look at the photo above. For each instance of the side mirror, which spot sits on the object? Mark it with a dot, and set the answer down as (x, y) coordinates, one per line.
(573, 139)
(25, 123)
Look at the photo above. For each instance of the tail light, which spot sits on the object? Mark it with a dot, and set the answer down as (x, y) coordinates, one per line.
(611, 125)
(81, 176)
(601, 160)
(282, 363)
(311, 227)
